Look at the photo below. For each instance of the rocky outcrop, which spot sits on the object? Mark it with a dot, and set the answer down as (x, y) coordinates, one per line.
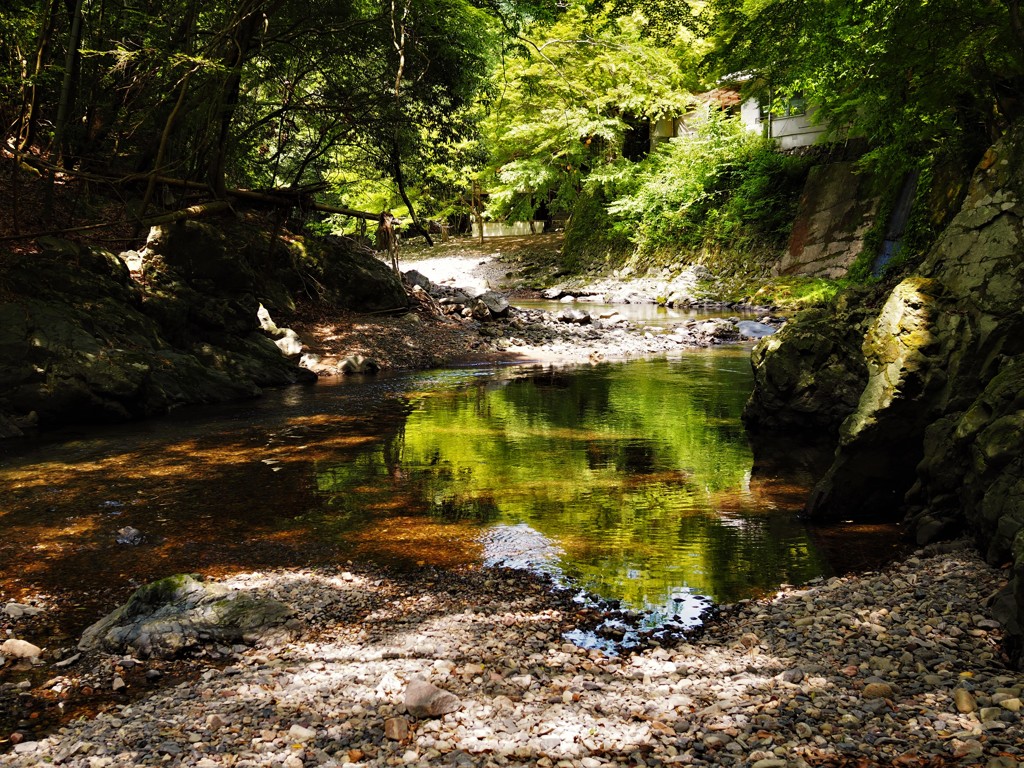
(83, 339)
(171, 616)
(880, 442)
(938, 429)
(808, 377)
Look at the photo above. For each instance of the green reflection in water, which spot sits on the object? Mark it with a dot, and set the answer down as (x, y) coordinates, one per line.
(639, 473)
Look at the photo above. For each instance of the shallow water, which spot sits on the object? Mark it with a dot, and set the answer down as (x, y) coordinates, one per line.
(634, 481)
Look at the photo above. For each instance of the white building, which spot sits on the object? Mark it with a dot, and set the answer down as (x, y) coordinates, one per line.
(791, 126)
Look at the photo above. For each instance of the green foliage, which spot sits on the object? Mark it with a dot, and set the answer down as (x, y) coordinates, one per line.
(789, 294)
(564, 103)
(919, 232)
(721, 187)
(591, 236)
(255, 93)
(907, 77)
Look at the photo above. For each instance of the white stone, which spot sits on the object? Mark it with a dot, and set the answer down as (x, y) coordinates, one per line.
(17, 610)
(20, 649)
(301, 733)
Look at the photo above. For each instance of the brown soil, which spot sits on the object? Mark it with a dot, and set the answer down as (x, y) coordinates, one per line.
(424, 337)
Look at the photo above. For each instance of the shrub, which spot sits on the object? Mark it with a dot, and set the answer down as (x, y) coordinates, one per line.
(722, 187)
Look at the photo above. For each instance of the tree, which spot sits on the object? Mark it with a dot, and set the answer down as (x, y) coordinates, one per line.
(908, 77)
(243, 93)
(565, 101)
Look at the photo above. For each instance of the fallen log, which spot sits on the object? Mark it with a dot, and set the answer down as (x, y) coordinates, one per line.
(192, 212)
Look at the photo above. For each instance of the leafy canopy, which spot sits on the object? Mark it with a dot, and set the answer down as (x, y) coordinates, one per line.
(566, 98)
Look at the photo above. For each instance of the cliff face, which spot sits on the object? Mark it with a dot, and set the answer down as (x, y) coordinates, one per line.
(937, 432)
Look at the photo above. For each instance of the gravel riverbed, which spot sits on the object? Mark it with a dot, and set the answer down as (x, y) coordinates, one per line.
(901, 667)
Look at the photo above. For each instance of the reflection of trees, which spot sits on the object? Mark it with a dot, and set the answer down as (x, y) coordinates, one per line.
(637, 457)
(562, 398)
(740, 555)
(640, 472)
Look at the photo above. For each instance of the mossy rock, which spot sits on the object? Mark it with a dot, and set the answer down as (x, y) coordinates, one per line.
(808, 377)
(176, 614)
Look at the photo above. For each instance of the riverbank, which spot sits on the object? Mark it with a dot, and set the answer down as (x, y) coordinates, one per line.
(901, 667)
(584, 327)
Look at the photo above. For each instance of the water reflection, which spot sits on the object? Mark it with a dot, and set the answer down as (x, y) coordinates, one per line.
(633, 480)
(639, 475)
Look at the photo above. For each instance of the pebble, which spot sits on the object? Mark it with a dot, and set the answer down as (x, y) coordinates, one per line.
(18, 610)
(793, 676)
(878, 691)
(424, 699)
(758, 690)
(396, 728)
(301, 733)
(964, 700)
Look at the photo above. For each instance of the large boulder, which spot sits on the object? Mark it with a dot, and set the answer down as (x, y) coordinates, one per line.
(169, 617)
(195, 283)
(80, 339)
(808, 377)
(357, 280)
(880, 442)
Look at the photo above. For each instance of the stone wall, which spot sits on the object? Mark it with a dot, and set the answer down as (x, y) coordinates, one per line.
(836, 211)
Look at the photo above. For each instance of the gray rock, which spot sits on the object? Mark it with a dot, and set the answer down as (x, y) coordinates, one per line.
(423, 699)
(171, 616)
(575, 316)
(496, 303)
(130, 536)
(414, 278)
(794, 675)
(809, 376)
(749, 329)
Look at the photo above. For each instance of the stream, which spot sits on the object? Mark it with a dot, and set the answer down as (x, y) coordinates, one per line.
(632, 483)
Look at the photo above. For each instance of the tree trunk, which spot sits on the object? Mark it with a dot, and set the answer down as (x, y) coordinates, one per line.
(396, 172)
(159, 161)
(247, 23)
(192, 212)
(64, 106)
(29, 118)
